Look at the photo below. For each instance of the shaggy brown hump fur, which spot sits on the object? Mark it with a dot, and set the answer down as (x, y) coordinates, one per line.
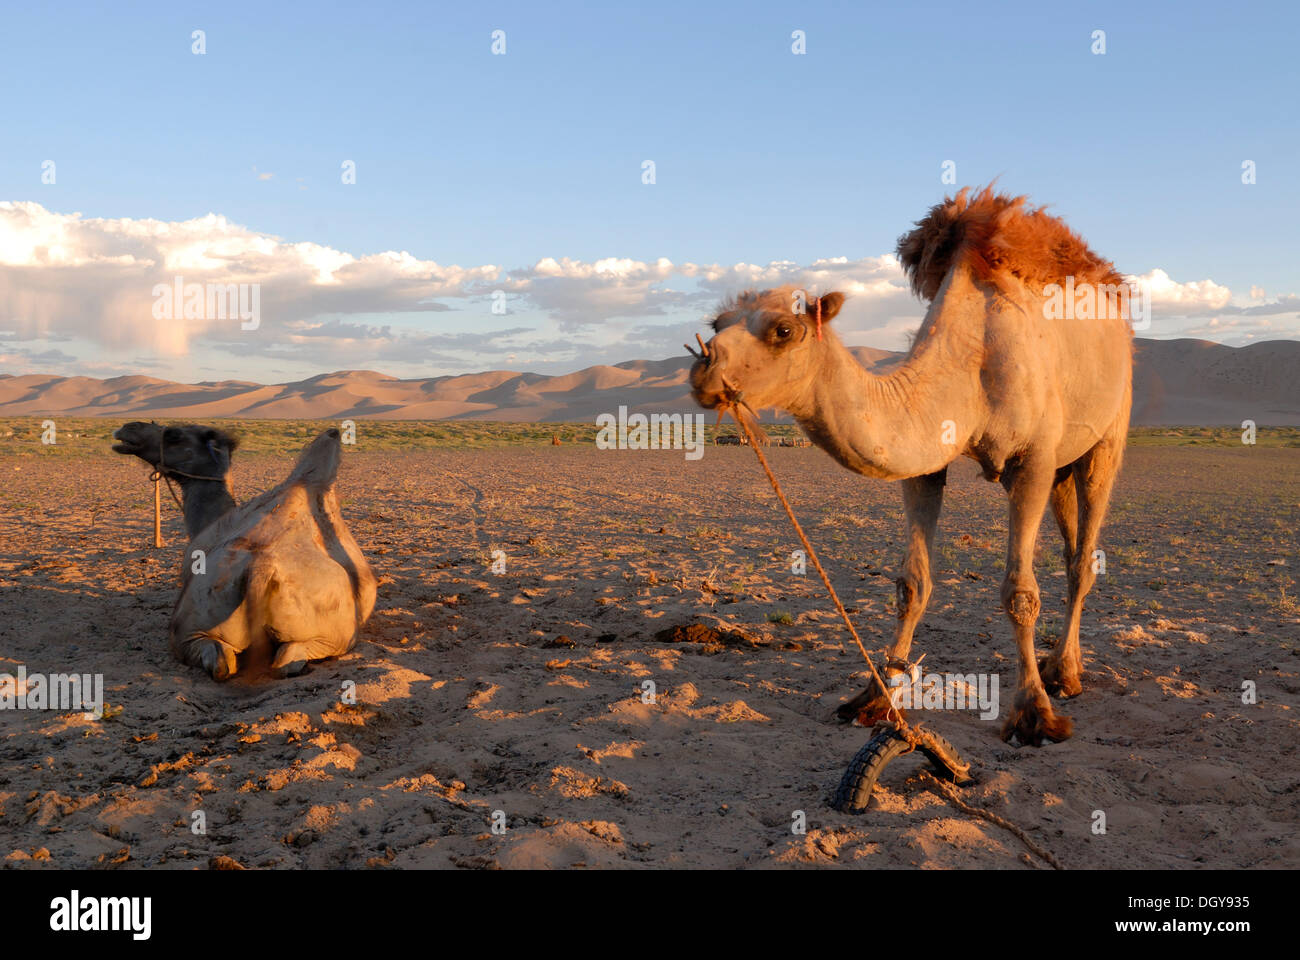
(999, 238)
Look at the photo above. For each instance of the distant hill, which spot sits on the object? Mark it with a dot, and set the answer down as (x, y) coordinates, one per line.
(1177, 382)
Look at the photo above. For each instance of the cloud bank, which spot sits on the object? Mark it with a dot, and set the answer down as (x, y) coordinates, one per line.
(87, 284)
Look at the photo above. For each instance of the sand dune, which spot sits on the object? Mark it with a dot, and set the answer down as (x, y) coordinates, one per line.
(1196, 381)
(1176, 382)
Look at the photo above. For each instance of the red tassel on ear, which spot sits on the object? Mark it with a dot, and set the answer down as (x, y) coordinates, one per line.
(819, 318)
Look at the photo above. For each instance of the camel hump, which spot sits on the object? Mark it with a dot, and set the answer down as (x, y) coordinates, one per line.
(318, 464)
(1001, 240)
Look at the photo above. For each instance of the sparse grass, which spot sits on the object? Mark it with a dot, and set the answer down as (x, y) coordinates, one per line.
(783, 618)
(21, 436)
(1212, 437)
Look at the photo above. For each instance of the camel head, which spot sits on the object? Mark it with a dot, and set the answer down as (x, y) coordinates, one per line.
(766, 345)
(192, 450)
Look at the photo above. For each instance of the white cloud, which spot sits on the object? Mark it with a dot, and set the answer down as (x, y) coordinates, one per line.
(89, 281)
(1185, 299)
(579, 293)
(93, 278)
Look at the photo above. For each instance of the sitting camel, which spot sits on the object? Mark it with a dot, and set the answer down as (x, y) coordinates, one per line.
(1041, 404)
(278, 579)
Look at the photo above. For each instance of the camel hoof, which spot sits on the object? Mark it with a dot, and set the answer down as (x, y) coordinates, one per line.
(1032, 721)
(866, 709)
(218, 659)
(877, 711)
(291, 669)
(1057, 681)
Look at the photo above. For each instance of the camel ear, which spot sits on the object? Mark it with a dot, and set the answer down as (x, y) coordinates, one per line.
(830, 305)
(219, 438)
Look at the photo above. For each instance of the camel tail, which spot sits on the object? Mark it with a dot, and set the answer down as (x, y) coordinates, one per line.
(1001, 240)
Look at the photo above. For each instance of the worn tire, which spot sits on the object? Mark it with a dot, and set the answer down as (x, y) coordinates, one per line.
(854, 792)
(941, 766)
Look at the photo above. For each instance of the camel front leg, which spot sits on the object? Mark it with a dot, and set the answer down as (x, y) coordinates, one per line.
(214, 655)
(922, 502)
(1031, 718)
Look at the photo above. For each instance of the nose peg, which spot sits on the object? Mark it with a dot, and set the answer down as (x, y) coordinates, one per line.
(704, 348)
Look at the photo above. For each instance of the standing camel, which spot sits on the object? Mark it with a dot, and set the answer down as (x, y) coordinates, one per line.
(1040, 401)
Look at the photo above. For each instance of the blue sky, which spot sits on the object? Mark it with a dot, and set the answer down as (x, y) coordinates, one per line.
(470, 159)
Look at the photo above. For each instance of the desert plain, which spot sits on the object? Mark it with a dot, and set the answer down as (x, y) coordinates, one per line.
(515, 697)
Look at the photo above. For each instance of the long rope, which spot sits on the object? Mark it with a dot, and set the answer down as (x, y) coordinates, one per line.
(950, 794)
(735, 399)
(912, 736)
(159, 475)
(163, 472)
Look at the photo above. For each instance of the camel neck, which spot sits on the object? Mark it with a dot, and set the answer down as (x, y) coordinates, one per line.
(903, 423)
(204, 501)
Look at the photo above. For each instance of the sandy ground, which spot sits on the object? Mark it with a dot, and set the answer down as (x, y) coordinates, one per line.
(521, 692)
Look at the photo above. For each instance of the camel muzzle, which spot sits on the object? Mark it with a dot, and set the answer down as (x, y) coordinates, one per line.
(130, 440)
(707, 386)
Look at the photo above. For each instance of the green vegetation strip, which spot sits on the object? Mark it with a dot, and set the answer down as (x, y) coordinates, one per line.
(81, 436)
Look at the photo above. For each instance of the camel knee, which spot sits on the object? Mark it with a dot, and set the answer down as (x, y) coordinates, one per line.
(1021, 603)
(216, 657)
(913, 594)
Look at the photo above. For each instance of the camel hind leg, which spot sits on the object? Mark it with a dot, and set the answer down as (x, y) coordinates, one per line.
(292, 656)
(1066, 510)
(309, 616)
(1094, 479)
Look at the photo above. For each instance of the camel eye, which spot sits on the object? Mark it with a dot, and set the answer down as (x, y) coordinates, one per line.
(784, 331)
